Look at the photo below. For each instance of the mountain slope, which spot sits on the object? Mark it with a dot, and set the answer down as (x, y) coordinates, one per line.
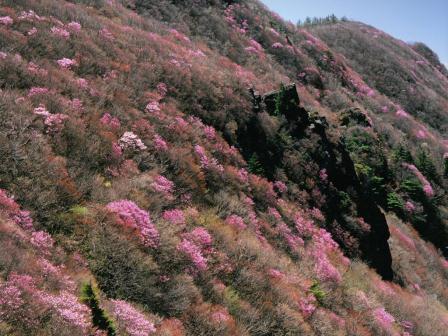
(160, 175)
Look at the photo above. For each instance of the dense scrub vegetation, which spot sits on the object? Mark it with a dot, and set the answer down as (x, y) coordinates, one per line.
(160, 175)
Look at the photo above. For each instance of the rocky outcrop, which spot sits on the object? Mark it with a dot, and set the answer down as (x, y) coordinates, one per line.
(284, 137)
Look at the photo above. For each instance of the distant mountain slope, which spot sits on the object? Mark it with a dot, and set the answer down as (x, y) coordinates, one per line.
(202, 167)
(410, 75)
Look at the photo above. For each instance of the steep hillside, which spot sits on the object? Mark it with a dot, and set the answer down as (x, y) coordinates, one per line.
(202, 167)
(411, 75)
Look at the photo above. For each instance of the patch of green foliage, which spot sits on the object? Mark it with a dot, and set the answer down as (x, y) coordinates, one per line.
(100, 319)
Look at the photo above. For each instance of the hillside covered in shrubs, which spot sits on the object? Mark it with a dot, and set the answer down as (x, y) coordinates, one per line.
(202, 167)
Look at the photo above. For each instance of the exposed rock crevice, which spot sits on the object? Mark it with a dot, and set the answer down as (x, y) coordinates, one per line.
(308, 137)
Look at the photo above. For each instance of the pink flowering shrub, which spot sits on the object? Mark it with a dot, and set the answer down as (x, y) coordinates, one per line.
(60, 32)
(74, 26)
(10, 300)
(130, 321)
(23, 303)
(307, 305)
(220, 315)
(383, 318)
(112, 122)
(152, 107)
(402, 114)
(195, 245)
(254, 47)
(106, 34)
(304, 226)
(277, 45)
(82, 83)
(23, 219)
(209, 132)
(178, 35)
(280, 186)
(193, 252)
(324, 269)
(243, 175)
(200, 236)
(323, 175)
(132, 216)
(7, 203)
(54, 123)
(409, 207)
(427, 188)
(41, 110)
(206, 163)
(67, 307)
(159, 143)
(37, 91)
(130, 141)
(32, 31)
(66, 63)
(162, 185)
(42, 241)
(236, 221)
(162, 89)
(175, 216)
(6, 20)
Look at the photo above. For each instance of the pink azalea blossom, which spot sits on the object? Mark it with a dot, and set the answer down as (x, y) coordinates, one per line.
(162, 89)
(68, 307)
(163, 185)
(179, 36)
(323, 175)
(221, 315)
(42, 241)
(54, 123)
(280, 186)
(134, 217)
(174, 216)
(152, 107)
(209, 132)
(41, 110)
(112, 122)
(307, 305)
(32, 31)
(200, 236)
(82, 83)
(159, 143)
(74, 26)
(130, 320)
(117, 152)
(193, 252)
(273, 31)
(37, 91)
(130, 141)
(30, 16)
(277, 45)
(402, 114)
(421, 134)
(243, 175)
(23, 219)
(427, 188)
(236, 221)
(6, 20)
(383, 318)
(275, 273)
(106, 34)
(66, 63)
(409, 206)
(60, 32)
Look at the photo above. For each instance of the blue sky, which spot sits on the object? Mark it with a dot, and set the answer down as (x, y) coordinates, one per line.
(409, 20)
